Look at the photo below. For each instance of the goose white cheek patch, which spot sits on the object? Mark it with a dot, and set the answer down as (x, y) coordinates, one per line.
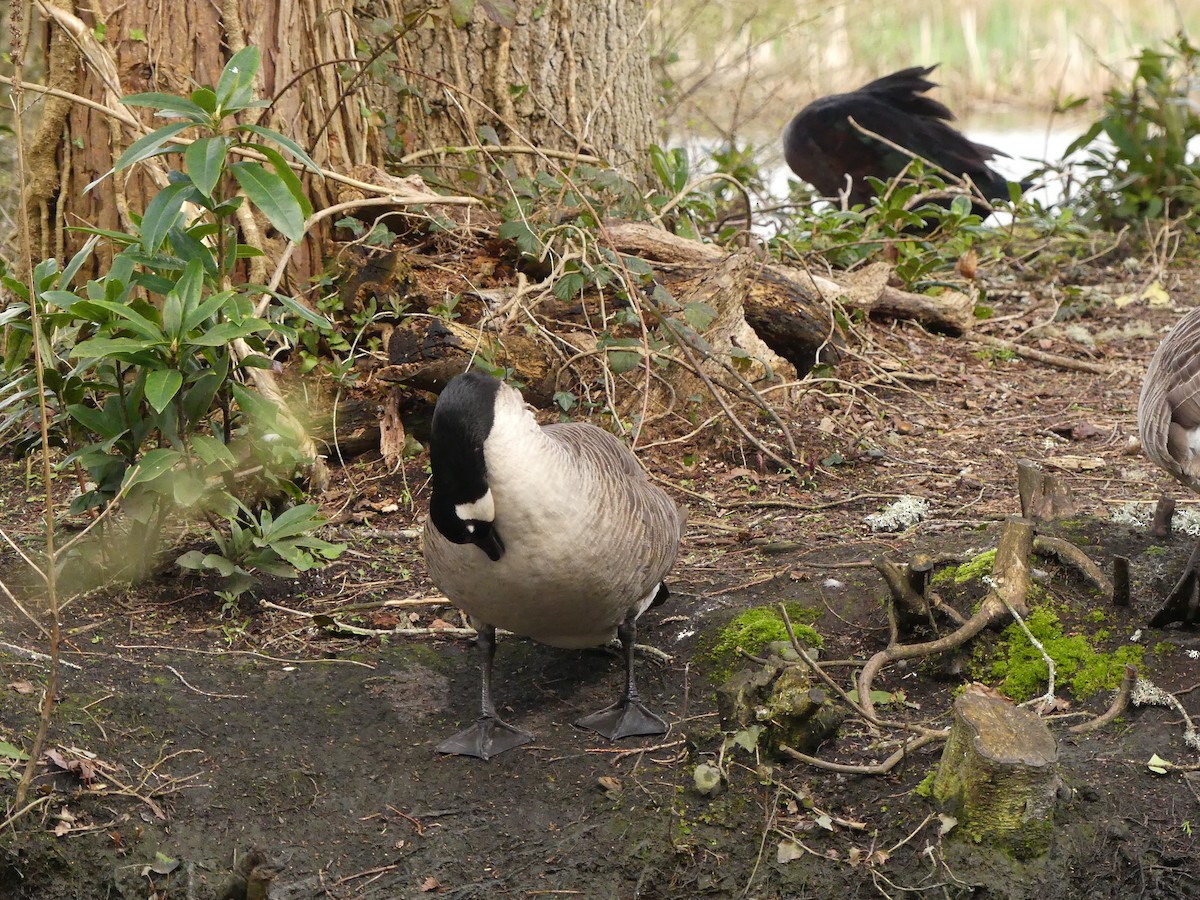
(481, 510)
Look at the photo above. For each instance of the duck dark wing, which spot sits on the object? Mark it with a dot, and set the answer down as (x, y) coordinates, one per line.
(1169, 406)
(823, 147)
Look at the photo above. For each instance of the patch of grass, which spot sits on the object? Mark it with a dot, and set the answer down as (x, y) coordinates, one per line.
(972, 570)
(753, 630)
(1079, 665)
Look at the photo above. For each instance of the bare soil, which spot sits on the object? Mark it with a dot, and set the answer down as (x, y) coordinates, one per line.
(192, 734)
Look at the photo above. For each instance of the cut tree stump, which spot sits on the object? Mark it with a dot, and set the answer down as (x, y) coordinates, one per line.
(1044, 497)
(999, 774)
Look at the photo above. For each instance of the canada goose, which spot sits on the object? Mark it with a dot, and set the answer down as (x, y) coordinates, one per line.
(822, 147)
(553, 532)
(1169, 423)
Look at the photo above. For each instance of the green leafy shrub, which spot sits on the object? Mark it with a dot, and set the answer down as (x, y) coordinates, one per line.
(1138, 163)
(148, 366)
(921, 238)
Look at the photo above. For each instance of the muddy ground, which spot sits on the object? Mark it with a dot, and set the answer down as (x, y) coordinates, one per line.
(194, 733)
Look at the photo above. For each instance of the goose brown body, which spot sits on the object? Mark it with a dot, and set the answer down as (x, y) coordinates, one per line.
(1169, 406)
(1169, 424)
(552, 532)
(588, 538)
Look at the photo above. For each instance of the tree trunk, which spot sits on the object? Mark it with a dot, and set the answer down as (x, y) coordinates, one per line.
(568, 76)
(172, 48)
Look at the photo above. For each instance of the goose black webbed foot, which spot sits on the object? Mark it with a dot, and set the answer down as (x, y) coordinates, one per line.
(488, 737)
(628, 717)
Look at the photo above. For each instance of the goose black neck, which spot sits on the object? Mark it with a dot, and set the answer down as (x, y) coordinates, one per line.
(462, 421)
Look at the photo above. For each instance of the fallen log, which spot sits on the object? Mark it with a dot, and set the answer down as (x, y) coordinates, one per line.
(789, 292)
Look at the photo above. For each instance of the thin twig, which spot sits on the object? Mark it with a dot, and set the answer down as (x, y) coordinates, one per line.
(1047, 700)
(34, 655)
(204, 693)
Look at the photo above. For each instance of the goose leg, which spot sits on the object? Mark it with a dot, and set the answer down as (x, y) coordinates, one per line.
(628, 716)
(490, 735)
(1183, 603)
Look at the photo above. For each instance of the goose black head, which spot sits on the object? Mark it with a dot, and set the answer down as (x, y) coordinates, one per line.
(461, 507)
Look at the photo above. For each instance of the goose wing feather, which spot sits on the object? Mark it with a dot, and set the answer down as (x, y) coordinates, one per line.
(1169, 406)
(645, 524)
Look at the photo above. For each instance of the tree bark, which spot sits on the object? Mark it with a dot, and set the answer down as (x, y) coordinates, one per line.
(172, 48)
(568, 76)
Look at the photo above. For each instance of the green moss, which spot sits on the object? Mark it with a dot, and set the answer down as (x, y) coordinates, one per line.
(753, 630)
(972, 570)
(1155, 551)
(1022, 670)
(1096, 616)
(1164, 649)
(925, 788)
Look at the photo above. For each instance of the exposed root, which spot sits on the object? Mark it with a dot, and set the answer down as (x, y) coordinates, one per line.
(1119, 705)
(882, 768)
(1011, 586)
(1069, 553)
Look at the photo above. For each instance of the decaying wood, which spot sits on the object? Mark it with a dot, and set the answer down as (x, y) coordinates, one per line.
(1011, 580)
(912, 603)
(998, 774)
(391, 429)
(1011, 569)
(1064, 550)
(426, 352)
(1120, 580)
(784, 699)
(1183, 603)
(792, 291)
(348, 428)
(1164, 513)
(1044, 497)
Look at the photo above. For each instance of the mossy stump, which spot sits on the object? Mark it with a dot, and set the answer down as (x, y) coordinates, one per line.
(999, 774)
(783, 699)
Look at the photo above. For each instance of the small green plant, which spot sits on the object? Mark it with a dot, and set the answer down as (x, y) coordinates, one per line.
(922, 239)
(151, 376)
(279, 546)
(11, 759)
(1139, 162)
